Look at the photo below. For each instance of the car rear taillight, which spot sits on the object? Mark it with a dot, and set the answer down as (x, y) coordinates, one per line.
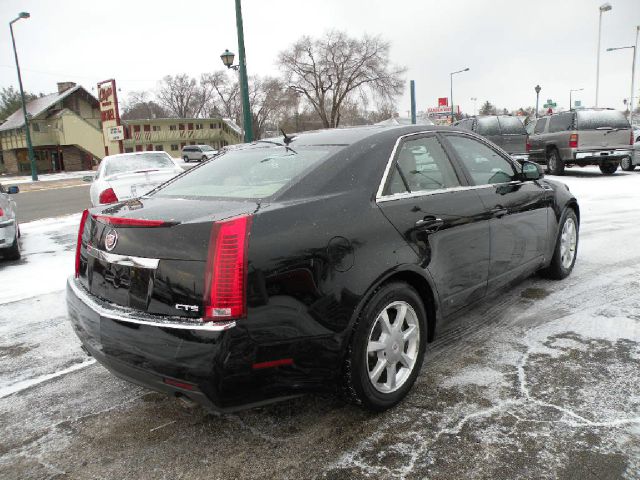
(528, 145)
(573, 140)
(1, 212)
(108, 196)
(226, 274)
(83, 220)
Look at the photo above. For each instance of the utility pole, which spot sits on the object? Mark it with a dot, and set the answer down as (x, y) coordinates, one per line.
(412, 84)
(32, 157)
(244, 83)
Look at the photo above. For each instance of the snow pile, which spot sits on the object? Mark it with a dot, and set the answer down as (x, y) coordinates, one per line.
(45, 177)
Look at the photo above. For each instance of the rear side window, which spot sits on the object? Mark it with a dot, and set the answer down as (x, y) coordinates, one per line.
(488, 126)
(482, 162)
(511, 126)
(255, 172)
(594, 119)
(561, 122)
(422, 165)
(540, 125)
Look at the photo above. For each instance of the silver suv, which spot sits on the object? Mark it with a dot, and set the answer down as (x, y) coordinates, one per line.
(596, 136)
(198, 153)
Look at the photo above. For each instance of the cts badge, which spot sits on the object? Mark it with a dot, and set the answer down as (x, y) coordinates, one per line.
(110, 240)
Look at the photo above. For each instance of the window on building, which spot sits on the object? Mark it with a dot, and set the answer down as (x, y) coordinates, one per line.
(192, 143)
(128, 150)
(182, 144)
(36, 126)
(174, 147)
(159, 148)
(155, 128)
(198, 126)
(147, 128)
(190, 126)
(173, 127)
(181, 126)
(136, 128)
(149, 147)
(138, 148)
(212, 126)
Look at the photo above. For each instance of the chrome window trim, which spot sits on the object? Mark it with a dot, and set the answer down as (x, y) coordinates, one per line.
(124, 260)
(161, 322)
(396, 196)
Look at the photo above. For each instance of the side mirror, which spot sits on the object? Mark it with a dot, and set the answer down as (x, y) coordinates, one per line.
(88, 178)
(531, 171)
(13, 190)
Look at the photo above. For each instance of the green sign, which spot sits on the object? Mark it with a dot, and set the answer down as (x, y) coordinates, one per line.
(550, 104)
(577, 103)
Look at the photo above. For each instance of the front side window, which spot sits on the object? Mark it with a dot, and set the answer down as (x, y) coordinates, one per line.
(421, 165)
(484, 164)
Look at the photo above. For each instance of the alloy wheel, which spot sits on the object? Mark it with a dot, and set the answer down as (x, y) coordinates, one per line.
(568, 242)
(392, 347)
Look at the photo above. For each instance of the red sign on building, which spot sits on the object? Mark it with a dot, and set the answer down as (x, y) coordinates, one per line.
(443, 101)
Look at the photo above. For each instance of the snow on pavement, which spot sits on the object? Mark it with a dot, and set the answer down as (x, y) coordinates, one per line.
(45, 177)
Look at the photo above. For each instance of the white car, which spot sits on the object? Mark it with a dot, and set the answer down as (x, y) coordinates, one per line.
(130, 175)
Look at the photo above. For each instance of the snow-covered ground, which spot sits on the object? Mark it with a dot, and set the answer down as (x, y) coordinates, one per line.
(542, 381)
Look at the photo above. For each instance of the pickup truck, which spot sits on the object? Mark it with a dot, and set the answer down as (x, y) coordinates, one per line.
(596, 136)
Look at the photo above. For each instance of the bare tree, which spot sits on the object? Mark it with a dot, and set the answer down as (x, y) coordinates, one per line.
(225, 95)
(138, 106)
(336, 68)
(183, 96)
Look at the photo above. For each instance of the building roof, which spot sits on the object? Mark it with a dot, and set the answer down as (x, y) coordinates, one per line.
(38, 106)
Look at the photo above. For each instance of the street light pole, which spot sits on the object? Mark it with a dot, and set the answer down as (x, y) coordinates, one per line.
(605, 7)
(32, 158)
(537, 89)
(451, 84)
(570, 92)
(633, 68)
(244, 83)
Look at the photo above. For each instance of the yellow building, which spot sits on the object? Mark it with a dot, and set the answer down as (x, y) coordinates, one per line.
(171, 134)
(65, 132)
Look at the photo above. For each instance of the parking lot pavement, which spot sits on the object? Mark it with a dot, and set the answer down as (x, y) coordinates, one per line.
(540, 382)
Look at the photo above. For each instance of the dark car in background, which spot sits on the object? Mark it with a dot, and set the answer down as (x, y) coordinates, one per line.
(595, 136)
(322, 262)
(506, 131)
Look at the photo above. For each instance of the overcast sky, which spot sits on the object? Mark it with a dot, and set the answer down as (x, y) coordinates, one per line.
(509, 45)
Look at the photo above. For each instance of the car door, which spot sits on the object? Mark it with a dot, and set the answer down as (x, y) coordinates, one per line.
(426, 197)
(519, 209)
(536, 141)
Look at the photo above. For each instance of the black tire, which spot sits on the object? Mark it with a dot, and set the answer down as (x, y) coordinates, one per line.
(203, 159)
(627, 164)
(556, 269)
(186, 159)
(608, 168)
(13, 252)
(357, 386)
(555, 165)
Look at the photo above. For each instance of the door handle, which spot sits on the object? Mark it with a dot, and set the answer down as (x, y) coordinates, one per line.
(430, 223)
(499, 211)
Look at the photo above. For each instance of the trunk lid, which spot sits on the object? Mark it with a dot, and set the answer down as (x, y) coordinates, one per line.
(599, 129)
(157, 265)
(135, 184)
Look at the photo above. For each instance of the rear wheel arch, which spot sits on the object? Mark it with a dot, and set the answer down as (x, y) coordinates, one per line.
(419, 282)
(573, 204)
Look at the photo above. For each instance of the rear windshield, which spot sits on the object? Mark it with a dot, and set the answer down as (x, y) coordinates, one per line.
(593, 119)
(137, 162)
(488, 126)
(511, 126)
(256, 172)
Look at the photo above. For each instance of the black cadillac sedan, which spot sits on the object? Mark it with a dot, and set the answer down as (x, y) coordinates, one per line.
(320, 262)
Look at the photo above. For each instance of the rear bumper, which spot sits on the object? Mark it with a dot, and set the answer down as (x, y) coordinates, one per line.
(210, 366)
(597, 156)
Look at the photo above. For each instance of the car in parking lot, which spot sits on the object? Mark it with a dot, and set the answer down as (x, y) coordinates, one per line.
(630, 163)
(130, 175)
(506, 131)
(9, 228)
(198, 153)
(595, 136)
(321, 262)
